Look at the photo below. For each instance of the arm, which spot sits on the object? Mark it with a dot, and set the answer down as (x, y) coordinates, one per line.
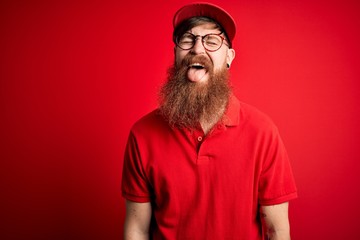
(275, 221)
(137, 221)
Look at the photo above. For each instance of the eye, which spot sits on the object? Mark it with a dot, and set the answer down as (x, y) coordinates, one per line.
(186, 39)
(212, 40)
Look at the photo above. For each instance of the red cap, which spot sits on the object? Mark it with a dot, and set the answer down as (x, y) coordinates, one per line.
(212, 11)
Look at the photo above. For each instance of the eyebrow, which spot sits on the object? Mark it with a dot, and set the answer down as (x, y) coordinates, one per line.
(204, 34)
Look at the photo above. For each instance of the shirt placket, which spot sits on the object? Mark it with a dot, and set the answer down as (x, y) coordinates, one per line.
(199, 140)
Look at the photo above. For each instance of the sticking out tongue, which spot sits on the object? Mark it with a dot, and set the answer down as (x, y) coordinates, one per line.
(196, 74)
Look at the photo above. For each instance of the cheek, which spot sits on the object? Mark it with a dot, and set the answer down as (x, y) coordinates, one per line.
(219, 61)
(179, 56)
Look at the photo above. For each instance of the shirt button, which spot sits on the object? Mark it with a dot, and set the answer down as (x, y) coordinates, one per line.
(200, 138)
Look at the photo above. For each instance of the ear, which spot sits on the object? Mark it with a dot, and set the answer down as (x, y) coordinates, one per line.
(230, 56)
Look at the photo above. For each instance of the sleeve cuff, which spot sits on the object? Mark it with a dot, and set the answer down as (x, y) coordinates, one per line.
(278, 200)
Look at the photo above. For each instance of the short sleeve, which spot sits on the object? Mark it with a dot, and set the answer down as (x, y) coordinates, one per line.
(135, 186)
(276, 184)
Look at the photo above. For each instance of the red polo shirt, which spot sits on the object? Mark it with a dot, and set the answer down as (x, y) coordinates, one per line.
(208, 187)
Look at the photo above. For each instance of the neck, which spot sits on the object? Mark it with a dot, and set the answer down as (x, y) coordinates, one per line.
(208, 123)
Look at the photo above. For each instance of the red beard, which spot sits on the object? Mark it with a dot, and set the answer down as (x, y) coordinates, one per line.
(184, 103)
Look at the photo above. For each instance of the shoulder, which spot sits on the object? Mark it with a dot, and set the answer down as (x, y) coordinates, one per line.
(150, 123)
(249, 113)
(251, 117)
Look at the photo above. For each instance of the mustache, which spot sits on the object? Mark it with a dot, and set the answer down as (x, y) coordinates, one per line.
(190, 59)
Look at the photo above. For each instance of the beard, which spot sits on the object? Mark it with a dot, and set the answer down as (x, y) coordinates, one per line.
(185, 104)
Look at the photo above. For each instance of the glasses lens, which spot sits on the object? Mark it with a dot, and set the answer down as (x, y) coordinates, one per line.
(212, 42)
(186, 41)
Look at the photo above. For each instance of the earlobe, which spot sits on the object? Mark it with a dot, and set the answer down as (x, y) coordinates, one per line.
(230, 56)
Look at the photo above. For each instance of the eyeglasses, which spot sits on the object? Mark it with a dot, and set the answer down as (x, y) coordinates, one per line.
(211, 42)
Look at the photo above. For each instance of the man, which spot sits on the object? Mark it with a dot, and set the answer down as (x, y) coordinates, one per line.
(204, 165)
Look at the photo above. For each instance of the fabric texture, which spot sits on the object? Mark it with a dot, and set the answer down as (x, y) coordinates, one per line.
(208, 187)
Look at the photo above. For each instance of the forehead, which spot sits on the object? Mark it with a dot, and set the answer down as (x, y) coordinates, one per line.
(206, 27)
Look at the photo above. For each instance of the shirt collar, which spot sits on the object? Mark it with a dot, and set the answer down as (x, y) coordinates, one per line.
(232, 114)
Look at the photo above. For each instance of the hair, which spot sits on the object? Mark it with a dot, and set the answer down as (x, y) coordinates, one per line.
(188, 24)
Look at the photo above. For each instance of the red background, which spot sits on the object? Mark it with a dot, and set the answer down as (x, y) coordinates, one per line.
(76, 75)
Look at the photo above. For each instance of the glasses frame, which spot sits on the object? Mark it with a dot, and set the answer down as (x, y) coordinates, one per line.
(195, 37)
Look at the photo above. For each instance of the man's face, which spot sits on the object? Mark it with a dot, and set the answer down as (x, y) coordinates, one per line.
(198, 84)
(218, 59)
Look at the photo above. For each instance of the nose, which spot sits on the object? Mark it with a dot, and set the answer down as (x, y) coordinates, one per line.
(198, 46)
